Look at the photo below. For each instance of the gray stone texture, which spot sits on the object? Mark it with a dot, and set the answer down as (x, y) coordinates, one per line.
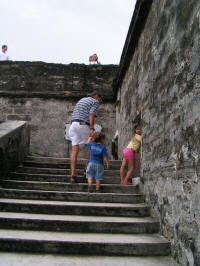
(162, 82)
(14, 145)
(45, 95)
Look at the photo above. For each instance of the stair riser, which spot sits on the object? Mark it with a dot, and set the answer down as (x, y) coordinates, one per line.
(57, 178)
(76, 210)
(92, 197)
(79, 226)
(81, 248)
(70, 188)
(32, 170)
(61, 165)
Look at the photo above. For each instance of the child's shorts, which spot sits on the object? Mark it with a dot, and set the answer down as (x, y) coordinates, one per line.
(95, 170)
(128, 154)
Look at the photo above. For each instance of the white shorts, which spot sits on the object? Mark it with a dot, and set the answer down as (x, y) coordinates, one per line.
(79, 134)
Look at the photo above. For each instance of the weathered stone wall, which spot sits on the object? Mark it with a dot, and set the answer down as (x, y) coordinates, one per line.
(45, 96)
(14, 145)
(47, 118)
(55, 80)
(163, 82)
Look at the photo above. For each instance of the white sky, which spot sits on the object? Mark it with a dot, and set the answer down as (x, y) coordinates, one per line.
(65, 31)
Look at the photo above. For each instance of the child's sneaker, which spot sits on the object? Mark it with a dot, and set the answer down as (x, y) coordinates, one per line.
(90, 189)
(99, 190)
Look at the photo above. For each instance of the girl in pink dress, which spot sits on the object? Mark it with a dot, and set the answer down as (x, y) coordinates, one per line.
(129, 156)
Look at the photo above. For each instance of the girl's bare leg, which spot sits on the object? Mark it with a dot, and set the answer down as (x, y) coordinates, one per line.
(130, 171)
(122, 170)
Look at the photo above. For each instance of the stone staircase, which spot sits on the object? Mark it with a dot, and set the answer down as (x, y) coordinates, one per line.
(41, 212)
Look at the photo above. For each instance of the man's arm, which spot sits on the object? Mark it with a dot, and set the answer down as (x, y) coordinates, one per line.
(92, 114)
(91, 119)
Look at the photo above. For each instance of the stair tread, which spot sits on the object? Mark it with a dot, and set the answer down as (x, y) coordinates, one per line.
(63, 183)
(63, 164)
(20, 259)
(74, 203)
(39, 158)
(76, 218)
(47, 168)
(82, 237)
(30, 174)
(50, 175)
(71, 192)
(108, 179)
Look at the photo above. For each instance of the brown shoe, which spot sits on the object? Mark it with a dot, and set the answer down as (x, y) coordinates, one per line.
(72, 179)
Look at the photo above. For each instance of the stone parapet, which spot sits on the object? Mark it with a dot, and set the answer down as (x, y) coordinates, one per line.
(14, 145)
(48, 80)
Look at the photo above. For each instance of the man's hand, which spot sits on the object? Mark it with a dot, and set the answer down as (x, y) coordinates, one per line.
(89, 139)
(91, 133)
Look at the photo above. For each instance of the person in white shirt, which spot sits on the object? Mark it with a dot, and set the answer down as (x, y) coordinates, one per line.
(4, 56)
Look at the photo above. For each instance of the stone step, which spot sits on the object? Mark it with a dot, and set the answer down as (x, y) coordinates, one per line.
(84, 243)
(72, 223)
(65, 160)
(59, 165)
(57, 178)
(31, 259)
(36, 170)
(74, 208)
(63, 186)
(71, 196)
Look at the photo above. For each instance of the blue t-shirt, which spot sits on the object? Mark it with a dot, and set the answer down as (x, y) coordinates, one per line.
(97, 152)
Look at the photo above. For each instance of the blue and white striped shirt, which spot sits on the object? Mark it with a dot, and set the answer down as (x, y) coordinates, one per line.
(84, 107)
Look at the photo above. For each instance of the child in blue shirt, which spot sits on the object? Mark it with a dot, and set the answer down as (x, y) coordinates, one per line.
(98, 154)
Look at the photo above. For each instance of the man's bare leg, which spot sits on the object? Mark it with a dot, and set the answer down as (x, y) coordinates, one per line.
(73, 160)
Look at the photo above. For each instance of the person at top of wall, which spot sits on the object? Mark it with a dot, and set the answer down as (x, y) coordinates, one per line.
(93, 59)
(129, 156)
(3, 55)
(98, 154)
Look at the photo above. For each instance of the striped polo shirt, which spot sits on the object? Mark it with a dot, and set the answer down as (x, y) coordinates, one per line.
(84, 107)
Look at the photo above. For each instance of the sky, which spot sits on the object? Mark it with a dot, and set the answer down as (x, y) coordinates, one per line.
(65, 31)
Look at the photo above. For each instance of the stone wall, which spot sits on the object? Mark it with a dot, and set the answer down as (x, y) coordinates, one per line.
(162, 82)
(14, 145)
(45, 95)
(29, 79)
(47, 118)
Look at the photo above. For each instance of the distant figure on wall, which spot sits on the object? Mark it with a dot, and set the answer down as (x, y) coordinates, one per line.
(3, 55)
(82, 126)
(93, 60)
